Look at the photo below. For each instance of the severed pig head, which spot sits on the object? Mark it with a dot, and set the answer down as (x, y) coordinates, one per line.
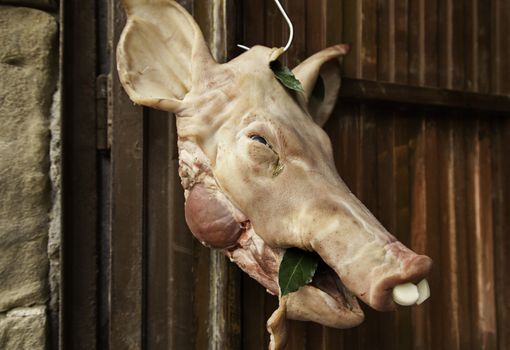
(258, 169)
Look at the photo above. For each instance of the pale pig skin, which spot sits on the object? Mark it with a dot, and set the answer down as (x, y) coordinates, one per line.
(258, 169)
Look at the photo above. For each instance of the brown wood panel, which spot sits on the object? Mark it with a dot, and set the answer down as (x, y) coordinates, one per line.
(158, 261)
(418, 229)
(478, 21)
(297, 13)
(314, 18)
(422, 49)
(416, 42)
(503, 55)
(457, 187)
(401, 24)
(369, 332)
(126, 327)
(481, 236)
(501, 193)
(402, 210)
(352, 34)
(253, 22)
(435, 330)
(434, 180)
(448, 236)
(79, 307)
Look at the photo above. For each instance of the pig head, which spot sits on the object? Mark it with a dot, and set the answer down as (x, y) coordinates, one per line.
(258, 169)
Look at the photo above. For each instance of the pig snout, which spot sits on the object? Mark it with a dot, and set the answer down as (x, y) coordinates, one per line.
(211, 218)
(372, 263)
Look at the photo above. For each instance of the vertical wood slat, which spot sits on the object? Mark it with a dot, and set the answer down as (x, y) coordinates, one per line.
(169, 243)
(435, 327)
(386, 40)
(128, 190)
(463, 303)
(316, 38)
(360, 28)
(504, 46)
(79, 320)
(356, 343)
(253, 22)
(347, 147)
(369, 332)
(418, 229)
(448, 237)
(393, 49)
(352, 34)
(180, 249)
(386, 205)
(296, 10)
(400, 18)
(402, 211)
(158, 260)
(501, 193)
(481, 237)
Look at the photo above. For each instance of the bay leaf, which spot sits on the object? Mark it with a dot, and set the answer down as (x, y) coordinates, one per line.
(296, 269)
(285, 76)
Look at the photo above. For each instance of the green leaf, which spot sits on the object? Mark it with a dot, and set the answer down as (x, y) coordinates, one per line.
(296, 269)
(285, 76)
(319, 91)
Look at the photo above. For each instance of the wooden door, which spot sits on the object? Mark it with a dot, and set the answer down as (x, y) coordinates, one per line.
(420, 135)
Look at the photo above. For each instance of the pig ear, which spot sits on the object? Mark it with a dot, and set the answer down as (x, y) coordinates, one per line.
(320, 77)
(161, 53)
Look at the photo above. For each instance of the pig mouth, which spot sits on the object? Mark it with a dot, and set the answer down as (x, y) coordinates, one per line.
(327, 287)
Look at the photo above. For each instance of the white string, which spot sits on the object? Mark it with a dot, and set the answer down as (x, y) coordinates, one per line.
(289, 23)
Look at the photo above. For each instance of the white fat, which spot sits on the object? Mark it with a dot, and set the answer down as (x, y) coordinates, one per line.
(424, 291)
(405, 294)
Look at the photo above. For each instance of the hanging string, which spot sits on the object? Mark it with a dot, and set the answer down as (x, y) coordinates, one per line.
(289, 23)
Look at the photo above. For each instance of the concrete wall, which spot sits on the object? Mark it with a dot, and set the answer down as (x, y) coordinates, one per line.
(28, 77)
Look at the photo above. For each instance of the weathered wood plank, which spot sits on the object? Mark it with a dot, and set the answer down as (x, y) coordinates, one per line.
(416, 42)
(380, 91)
(481, 236)
(435, 331)
(386, 206)
(401, 30)
(448, 237)
(402, 211)
(127, 228)
(158, 259)
(79, 307)
(458, 188)
(386, 40)
(419, 229)
(501, 193)
(352, 33)
(297, 12)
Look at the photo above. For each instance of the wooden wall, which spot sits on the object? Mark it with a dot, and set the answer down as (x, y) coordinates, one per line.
(435, 177)
(421, 134)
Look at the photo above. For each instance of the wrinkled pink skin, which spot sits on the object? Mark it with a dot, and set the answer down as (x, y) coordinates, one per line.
(253, 200)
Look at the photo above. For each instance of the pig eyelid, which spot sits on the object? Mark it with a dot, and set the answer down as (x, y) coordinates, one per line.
(260, 139)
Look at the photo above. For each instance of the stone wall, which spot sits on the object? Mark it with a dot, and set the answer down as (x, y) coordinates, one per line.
(28, 76)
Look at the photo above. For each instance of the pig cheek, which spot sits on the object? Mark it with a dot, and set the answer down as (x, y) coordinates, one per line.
(210, 220)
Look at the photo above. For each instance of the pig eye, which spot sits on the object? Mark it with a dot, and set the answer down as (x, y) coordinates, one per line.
(259, 139)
